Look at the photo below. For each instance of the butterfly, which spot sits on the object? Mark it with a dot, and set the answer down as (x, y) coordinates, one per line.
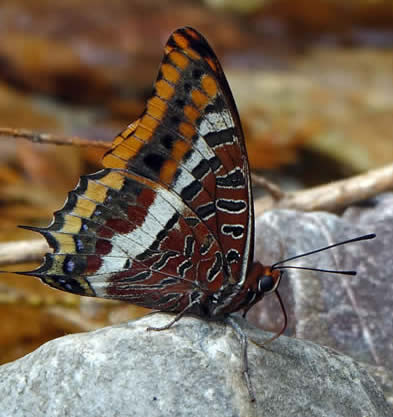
(168, 224)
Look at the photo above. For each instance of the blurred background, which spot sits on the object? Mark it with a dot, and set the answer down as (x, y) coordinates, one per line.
(313, 81)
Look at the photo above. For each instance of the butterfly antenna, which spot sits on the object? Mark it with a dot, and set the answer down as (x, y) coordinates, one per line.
(356, 239)
(317, 269)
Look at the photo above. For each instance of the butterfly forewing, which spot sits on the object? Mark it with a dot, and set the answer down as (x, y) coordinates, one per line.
(170, 218)
(190, 139)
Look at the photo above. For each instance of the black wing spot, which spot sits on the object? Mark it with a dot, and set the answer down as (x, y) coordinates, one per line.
(216, 268)
(189, 246)
(161, 263)
(168, 141)
(175, 120)
(233, 256)
(206, 211)
(201, 169)
(234, 179)
(184, 267)
(223, 137)
(196, 73)
(180, 102)
(232, 206)
(190, 191)
(141, 276)
(236, 231)
(187, 87)
(154, 161)
(192, 221)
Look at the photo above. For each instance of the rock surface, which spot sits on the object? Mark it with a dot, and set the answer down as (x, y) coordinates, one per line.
(351, 314)
(193, 369)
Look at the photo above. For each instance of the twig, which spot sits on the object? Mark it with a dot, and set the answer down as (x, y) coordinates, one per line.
(269, 186)
(52, 139)
(333, 196)
(23, 251)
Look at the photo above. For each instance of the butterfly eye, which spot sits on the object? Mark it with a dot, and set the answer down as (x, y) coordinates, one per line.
(266, 283)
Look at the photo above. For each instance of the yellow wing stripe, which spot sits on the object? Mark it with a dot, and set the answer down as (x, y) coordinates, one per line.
(96, 192)
(84, 208)
(71, 224)
(114, 180)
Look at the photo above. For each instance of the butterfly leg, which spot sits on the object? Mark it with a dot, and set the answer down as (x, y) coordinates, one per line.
(243, 343)
(176, 318)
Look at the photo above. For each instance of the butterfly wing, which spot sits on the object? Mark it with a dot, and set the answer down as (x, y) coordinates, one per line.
(123, 236)
(170, 219)
(190, 140)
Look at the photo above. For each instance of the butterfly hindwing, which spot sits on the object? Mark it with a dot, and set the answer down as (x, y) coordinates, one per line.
(122, 236)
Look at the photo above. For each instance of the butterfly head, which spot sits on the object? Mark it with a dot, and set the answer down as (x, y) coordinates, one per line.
(261, 280)
(269, 281)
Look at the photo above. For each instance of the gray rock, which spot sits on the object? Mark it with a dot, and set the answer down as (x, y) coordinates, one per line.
(349, 314)
(193, 369)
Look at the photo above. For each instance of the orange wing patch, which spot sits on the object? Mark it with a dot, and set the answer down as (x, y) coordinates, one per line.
(157, 108)
(179, 150)
(168, 171)
(164, 89)
(170, 73)
(178, 59)
(187, 130)
(209, 85)
(200, 99)
(111, 161)
(191, 113)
